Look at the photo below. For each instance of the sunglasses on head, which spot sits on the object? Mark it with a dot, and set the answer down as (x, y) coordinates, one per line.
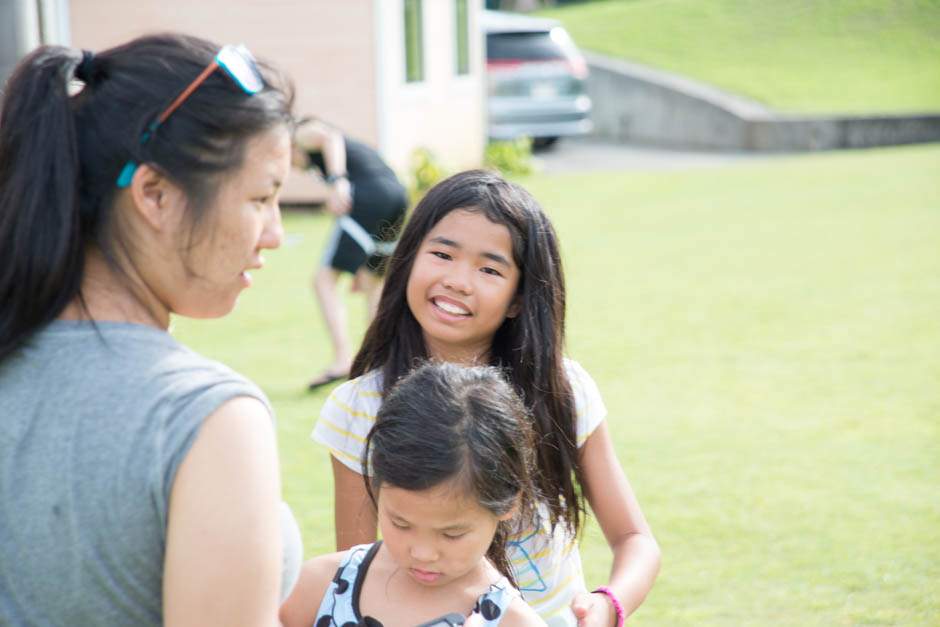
(236, 61)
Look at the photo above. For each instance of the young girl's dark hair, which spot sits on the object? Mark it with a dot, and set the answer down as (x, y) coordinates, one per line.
(528, 347)
(444, 423)
(61, 155)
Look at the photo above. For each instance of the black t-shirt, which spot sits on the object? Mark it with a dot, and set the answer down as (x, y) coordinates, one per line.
(362, 162)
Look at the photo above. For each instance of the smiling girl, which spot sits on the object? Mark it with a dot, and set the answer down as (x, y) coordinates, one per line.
(477, 279)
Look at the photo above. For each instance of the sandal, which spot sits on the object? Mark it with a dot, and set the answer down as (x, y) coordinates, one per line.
(325, 379)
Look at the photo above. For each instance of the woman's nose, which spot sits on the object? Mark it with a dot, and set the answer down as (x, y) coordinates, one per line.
(273, 234)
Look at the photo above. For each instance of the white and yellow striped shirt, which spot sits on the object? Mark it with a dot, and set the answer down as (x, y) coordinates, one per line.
(547, 566)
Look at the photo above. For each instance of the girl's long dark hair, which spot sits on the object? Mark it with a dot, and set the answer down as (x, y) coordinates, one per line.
(61, 154)
(446, 423)
(528, 347)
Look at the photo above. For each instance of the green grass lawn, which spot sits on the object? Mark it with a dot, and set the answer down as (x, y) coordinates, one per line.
(766, 338)
(795, 55)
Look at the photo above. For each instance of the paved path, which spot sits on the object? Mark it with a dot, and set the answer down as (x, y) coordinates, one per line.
(591, 154)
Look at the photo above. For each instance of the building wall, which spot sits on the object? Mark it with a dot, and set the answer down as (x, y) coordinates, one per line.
(326, 47)
(346, 58)
(445, 113)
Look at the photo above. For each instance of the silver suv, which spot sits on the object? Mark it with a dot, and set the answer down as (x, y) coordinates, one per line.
(537, 79)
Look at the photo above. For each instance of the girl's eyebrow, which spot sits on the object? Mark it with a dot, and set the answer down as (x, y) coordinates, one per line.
(494, 257)
(440, 239)
(395, 515)
(457, 526)
(497, 259)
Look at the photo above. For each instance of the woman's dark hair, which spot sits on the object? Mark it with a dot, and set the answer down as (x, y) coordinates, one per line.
(528, 347)
(446, 423)
(61, 154)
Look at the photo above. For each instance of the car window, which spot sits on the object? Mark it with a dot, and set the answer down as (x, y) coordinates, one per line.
(511, 46)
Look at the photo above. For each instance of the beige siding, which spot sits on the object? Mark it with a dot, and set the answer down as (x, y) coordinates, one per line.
(327, 48)
(346, 58)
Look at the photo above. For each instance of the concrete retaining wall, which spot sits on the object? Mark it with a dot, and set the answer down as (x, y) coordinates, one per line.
(828, 133)
(639, 104)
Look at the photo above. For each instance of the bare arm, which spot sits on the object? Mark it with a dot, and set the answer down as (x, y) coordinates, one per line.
(301, 607)
(224, 555)
(353, 513)
(317, 136)
(518, 614)
(636, 553)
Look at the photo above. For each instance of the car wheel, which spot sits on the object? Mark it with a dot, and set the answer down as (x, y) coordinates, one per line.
(541, 143)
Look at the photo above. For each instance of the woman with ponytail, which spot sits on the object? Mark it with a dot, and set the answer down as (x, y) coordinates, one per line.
(139, 480)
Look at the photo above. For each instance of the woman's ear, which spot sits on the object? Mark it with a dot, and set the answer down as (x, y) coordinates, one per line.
(156, 199)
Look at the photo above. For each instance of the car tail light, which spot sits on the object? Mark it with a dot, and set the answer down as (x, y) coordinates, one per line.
(498, 65)
(577, 67)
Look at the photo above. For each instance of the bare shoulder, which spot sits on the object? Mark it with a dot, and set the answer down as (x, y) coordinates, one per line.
(323, 566)
(227, 486)
(519, 614)
(302, 605)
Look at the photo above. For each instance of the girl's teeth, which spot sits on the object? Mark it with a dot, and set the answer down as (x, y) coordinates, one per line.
(453, 309)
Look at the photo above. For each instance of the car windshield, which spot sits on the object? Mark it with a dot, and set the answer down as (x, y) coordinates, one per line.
(512, 46)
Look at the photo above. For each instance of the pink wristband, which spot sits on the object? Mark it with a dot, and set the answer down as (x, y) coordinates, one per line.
(613, 599)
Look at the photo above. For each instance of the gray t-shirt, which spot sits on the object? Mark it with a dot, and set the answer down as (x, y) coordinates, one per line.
(94, 422)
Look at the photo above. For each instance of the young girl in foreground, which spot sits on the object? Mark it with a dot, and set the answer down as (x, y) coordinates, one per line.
(451, 461)
(477, 279)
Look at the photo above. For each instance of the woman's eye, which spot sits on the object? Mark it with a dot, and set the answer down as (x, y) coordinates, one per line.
(399, 525)
(492, 271)
(451, 536)
(263, 201)
(440, 254)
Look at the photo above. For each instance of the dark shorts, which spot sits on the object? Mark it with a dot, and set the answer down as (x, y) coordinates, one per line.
(368, 234)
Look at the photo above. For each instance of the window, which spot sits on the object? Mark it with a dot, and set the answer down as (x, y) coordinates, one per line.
(414, 42)
(463, 37)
